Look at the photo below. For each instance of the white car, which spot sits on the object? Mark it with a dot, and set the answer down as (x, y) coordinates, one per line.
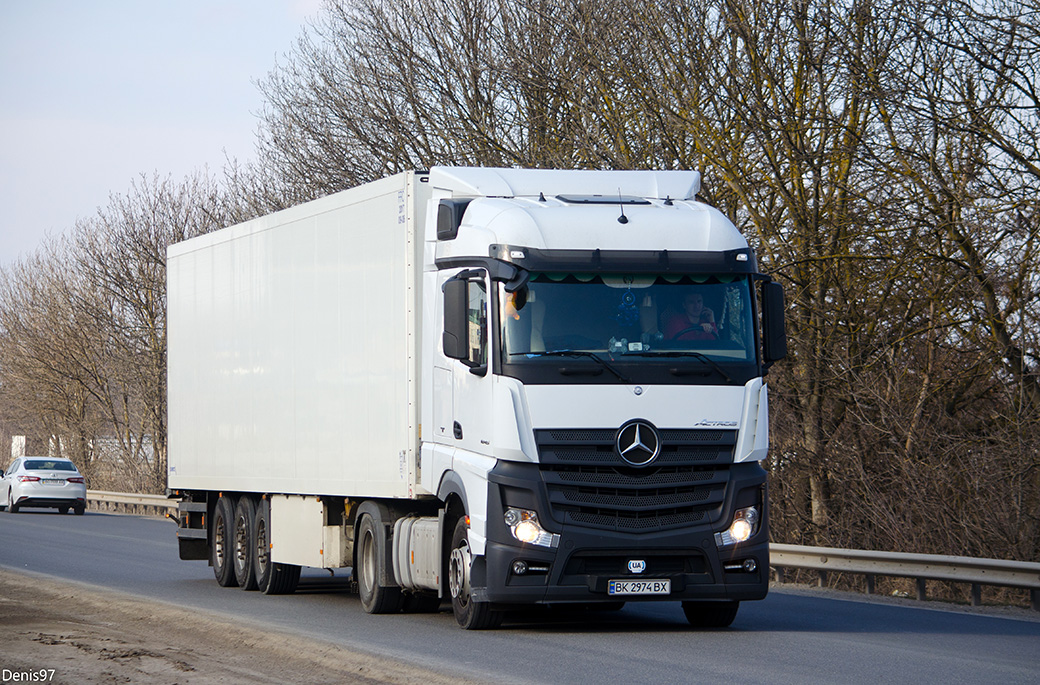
(43, 482)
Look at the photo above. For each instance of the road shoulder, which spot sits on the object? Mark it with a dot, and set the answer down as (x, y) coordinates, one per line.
(56, 632)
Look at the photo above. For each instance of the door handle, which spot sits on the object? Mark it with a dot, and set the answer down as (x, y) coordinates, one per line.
(457, 430)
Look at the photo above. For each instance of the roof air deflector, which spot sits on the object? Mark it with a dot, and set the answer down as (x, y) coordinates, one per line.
(602, 200)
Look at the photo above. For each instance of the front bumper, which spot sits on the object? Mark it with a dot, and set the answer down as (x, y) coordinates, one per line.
(586, 559)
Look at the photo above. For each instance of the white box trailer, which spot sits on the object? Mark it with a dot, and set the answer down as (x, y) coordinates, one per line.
(293, 348)
(478, 385)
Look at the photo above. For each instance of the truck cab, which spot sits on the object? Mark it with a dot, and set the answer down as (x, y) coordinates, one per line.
(596, 390)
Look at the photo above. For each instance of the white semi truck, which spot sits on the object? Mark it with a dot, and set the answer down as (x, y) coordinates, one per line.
(497, 387)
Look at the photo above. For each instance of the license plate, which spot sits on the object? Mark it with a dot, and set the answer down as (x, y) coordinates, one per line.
(639, 587)
(54, 481)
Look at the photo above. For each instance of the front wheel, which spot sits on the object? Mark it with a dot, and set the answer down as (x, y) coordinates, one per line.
(469, 613)
(710, 614)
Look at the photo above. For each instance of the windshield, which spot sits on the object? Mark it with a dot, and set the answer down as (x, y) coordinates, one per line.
(631, 319)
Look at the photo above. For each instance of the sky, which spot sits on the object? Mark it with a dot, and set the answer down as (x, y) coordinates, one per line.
(95, 93)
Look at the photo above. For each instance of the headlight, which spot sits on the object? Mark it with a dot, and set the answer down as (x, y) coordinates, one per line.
(523, 524)
(744, 525)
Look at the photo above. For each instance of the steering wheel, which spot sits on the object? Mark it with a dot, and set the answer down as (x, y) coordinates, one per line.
(690, 329)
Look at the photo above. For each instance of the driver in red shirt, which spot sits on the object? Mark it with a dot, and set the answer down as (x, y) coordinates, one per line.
(695, 322)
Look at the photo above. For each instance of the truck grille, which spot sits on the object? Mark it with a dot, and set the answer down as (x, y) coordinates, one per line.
(588, 483)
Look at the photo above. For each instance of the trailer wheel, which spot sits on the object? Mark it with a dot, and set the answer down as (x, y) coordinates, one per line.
(375, 598)
(223, 531)
(272, 578)
(242, 547)
(469, 613)
(710, 614)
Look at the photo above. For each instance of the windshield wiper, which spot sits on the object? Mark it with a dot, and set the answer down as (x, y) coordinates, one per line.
(686, 353)
(574, 353)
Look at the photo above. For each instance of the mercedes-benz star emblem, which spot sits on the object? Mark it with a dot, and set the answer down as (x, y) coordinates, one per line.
(638, 443)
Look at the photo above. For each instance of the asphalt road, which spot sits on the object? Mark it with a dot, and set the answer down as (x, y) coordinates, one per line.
(791, 637)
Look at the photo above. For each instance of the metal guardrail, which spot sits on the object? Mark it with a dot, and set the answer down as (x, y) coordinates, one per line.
(101, 500)
(823, 560)
(920, 567)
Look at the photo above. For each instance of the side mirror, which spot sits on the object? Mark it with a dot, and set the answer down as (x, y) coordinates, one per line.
(455, 333)
(774, 327)
(465, 321)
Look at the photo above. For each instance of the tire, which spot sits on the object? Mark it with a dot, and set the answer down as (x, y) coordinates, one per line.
(242, 544)
(221, 547)
(710, 614)
(63, 510)
(271, 578)
(11, 506)
(369, 568)
(79, 509)
(469, 613)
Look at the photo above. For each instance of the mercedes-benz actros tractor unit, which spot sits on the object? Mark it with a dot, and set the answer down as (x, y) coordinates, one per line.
(494, 387)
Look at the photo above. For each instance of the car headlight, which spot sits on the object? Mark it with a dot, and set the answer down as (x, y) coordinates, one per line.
(523, 524)
(745, 524)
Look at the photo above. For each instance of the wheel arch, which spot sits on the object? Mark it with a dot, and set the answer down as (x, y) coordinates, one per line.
(452, 491)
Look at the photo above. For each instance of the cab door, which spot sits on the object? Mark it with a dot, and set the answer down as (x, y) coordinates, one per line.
(467, 343)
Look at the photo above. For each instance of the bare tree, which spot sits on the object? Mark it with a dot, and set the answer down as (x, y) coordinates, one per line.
(47, 353)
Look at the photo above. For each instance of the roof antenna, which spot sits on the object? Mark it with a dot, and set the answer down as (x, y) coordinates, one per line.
(621, 219)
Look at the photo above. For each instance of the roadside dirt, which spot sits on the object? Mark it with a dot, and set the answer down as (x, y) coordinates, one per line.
(52, 632)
